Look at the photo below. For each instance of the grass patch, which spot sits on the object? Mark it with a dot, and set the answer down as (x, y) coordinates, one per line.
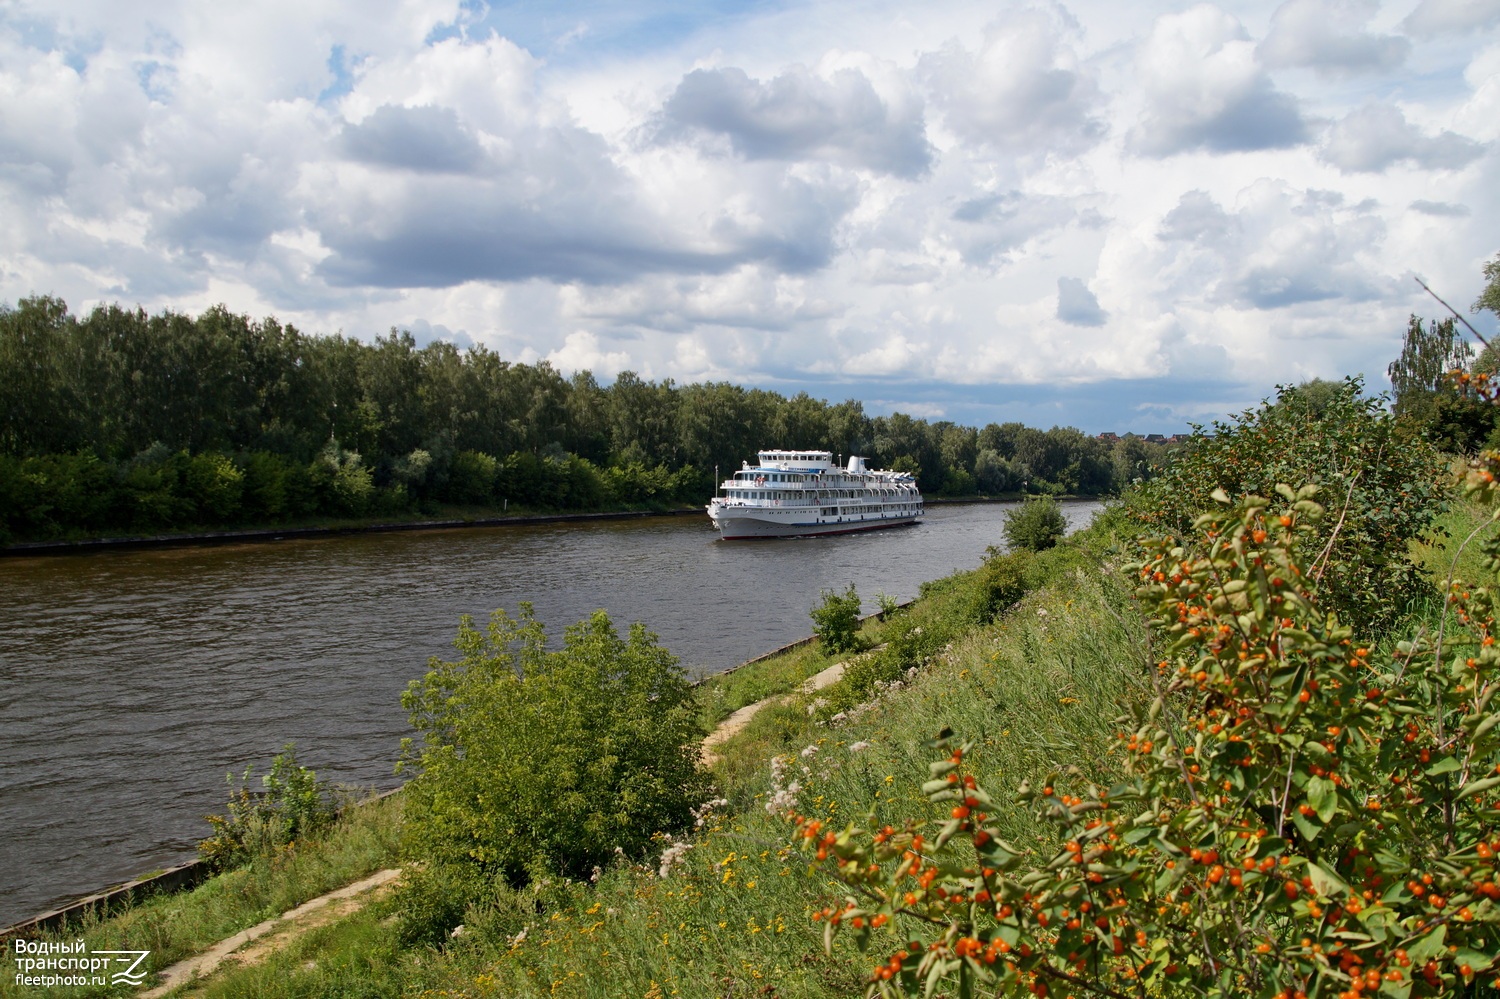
(173, 927)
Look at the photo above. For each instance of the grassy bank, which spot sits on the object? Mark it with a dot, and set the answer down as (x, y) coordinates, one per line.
(176, 926)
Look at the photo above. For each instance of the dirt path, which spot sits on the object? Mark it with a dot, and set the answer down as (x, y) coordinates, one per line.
(336, 905)
(317, 912)
(735, 723)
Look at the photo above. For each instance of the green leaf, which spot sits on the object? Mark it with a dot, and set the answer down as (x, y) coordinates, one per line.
(1397, 990)
(1474, 959)
(1325, 882)
(1307, 829)
(1323, 796)
(1477, 787)
(1446, 765)
(1429, 946)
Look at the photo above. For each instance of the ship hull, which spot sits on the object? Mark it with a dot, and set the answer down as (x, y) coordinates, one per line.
(742, 528)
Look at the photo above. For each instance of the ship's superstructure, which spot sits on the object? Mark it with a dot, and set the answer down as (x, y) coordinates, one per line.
(797, 493)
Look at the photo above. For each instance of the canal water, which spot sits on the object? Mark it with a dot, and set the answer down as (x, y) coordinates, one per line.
(132, 681)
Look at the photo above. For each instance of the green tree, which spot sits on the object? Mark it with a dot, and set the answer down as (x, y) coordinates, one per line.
(836, 620)
(1035, 525)
(1419, 375)
(1489, 298)
(537, 761)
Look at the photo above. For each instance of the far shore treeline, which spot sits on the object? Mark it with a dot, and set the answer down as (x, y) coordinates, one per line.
(120, 421)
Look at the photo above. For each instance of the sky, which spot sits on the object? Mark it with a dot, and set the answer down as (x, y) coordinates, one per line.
(1119, 217)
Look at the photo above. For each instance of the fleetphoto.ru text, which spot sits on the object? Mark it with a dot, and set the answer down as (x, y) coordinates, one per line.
(47, 964)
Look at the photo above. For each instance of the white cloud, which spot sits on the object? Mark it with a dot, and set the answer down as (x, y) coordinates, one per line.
(1328, 36)
(1020, 89)
(1378, 135)
(1076, 305)
(1440, 17)
(800, 115)
(582, 351)
(1206, 90)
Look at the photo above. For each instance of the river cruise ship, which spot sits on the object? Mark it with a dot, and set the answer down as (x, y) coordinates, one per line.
(793, 494)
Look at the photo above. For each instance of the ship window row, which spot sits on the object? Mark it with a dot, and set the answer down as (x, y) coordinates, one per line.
(802, 498)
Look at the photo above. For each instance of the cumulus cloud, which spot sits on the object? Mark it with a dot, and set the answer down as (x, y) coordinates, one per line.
(1441, 209)
(1275, 247)
(1327, 36)
(991, 225)
(1205, 90)
(583, 351)
(1442, 17)
(497, 183)
(1076, 305)
(1020, 88)
(562, 212)
(1278, 247)
(1378, 135)
(799, 115)
(1197, 216)
(422, 138)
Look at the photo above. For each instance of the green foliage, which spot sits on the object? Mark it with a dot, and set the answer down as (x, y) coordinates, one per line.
(1035, 525)
(1428, 400)
(292, 805)
(1489, 298)
(542, 762)
(252, 406)
(1299, 814)
(1002, 580)
(1380, 481)
(1419, 375)
(836, 620)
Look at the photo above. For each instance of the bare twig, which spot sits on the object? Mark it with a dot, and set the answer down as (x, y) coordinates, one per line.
(1322, 563)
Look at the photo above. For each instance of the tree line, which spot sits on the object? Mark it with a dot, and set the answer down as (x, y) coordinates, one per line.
(121, 420)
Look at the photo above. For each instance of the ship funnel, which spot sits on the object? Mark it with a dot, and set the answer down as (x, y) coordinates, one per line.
(856, 463)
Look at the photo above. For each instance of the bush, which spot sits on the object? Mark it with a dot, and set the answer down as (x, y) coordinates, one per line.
(540, 762)
(473, 478)
(1380, 483)
(1001, 581)
(836, 620)
(1035, 525)
(294, 805)
(1299, 814)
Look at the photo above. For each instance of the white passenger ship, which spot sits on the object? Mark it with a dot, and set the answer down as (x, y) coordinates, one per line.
(798, 493)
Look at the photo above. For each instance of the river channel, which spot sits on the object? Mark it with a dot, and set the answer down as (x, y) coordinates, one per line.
(132, 681)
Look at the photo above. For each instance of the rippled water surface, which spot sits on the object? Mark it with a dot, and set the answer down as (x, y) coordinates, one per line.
(132, 681)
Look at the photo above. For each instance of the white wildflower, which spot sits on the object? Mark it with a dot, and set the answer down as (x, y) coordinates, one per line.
(672, 856)
(858, 746)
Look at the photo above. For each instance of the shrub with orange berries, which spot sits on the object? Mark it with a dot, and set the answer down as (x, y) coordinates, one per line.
(1300, 814)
